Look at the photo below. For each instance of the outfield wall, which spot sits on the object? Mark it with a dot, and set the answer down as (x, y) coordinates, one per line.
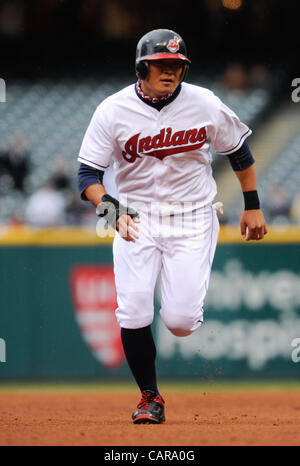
(57, 305)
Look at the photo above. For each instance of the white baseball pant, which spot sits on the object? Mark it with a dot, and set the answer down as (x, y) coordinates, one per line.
(181, 248)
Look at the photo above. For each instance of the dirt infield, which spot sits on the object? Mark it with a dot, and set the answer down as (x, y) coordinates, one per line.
(192, 418)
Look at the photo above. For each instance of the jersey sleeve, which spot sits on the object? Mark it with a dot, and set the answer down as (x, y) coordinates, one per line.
(230, 132)
(97, 146)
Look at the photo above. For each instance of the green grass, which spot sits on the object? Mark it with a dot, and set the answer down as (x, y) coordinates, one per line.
(118, 387)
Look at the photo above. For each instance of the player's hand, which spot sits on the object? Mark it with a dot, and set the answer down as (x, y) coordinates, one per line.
(127, 228)
(253, 225)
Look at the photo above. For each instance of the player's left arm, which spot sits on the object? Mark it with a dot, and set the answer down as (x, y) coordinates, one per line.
(229, 138)
(252, 223)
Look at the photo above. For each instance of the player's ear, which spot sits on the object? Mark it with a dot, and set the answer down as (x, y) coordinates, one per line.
(142, 69)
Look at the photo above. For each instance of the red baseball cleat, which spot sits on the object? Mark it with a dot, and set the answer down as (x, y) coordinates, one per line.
(151, 409)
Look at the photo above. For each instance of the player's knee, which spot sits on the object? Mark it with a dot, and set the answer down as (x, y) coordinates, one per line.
(179, 332)
(135, 310)
(179, 325)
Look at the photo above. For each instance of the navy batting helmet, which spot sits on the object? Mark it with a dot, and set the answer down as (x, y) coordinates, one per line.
(160, 44)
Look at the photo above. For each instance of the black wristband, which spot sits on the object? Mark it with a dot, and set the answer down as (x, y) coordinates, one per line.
(108, 198)
(251, 200)
(120, 209)
(111, 209)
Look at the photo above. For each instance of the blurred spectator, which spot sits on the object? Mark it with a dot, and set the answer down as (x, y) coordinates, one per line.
(12, 17)
(16, 218)
(46, 207)
(18, 161)
(61, 178)
(295, 209)
(260, 77)
(5, 179)
(235, 78)
(3, 161)
(279, 205)
(76, 210)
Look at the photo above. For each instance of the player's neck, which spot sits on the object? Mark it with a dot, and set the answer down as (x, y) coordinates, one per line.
(157, 103)
(150, 92)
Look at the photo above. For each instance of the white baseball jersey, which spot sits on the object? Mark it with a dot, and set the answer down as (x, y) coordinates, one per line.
(162, 156)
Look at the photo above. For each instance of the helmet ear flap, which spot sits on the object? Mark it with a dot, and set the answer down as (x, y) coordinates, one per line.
(142, 69)
(185, 69)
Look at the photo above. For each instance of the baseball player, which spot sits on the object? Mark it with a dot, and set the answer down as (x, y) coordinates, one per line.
(158, 132)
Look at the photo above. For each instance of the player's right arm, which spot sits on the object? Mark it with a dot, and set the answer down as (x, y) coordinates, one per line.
(125, 224)
(94, 193)
(95, 155)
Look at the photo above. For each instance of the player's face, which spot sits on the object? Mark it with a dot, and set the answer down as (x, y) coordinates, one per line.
(163, 77)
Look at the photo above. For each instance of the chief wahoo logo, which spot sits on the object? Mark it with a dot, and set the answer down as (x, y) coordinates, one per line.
(173, 45)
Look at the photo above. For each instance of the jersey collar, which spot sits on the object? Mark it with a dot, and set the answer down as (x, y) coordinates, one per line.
(155, 102)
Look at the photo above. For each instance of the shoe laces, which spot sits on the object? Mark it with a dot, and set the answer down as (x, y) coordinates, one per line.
(147, 399)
